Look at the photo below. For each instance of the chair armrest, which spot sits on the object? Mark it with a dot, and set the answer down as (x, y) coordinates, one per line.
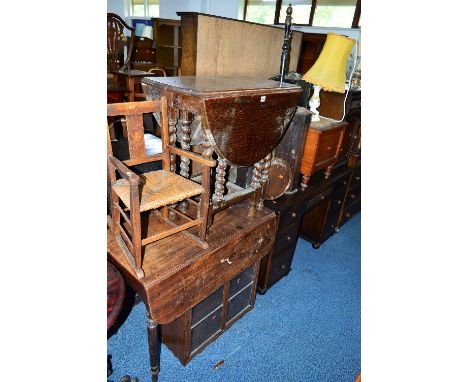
(194, 156)
(126, 173)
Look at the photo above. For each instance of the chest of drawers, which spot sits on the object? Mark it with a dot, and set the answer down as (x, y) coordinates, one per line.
(322, 148)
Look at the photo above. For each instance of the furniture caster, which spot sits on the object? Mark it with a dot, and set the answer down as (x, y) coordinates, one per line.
(316, 245)
(261, 292)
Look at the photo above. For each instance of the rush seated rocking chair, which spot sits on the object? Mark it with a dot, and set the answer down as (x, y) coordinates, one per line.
(165, 193)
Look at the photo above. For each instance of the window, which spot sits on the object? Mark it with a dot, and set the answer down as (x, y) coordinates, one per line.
(320, 13)
(301, 11)
(144, 8)
(260, 11)
(334, 13)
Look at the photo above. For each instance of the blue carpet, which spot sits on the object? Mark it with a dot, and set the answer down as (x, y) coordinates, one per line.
(305, 328)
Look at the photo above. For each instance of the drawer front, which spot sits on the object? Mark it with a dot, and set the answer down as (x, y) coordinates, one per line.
(192, 284)
(280, 265)
(239, 302)
(208, 305)
(356, 178)
(205, 329)
(290, 216)
(350, 211)
(319, 198)
(330, 226)
(240, 281)
(352, 196)
(286, 237)
(327, 148)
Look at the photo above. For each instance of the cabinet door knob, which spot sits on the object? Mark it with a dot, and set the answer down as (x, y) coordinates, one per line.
(293, 214)
(226, 260)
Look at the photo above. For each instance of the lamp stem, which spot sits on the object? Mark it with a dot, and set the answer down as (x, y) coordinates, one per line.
(315, 103)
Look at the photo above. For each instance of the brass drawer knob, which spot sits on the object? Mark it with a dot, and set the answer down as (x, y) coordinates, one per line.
(339, 201)
(288, 238)
(226, 260)
(293, 215)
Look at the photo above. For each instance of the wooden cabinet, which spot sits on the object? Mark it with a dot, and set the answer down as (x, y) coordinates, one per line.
(352, 200)
(201, 325)
(219, 46)
(144, 54)
(322, 147)
(321, 221)
(167, 35)
(290, 209)
(351, 139)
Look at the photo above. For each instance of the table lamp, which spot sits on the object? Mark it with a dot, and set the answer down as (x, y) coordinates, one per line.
(147, 32)
(329, 71)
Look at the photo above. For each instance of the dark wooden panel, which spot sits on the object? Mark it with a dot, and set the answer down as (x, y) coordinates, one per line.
(291, 146)
(206, 329)
(209, 304)
(238, 303)
(242, 114)
(240, 281)
(280, 264)
(313, 222)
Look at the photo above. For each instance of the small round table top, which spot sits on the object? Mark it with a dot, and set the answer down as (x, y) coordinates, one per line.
(115, 293)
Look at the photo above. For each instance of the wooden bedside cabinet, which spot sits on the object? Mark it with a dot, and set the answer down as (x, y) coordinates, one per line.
(322, 148)
(198, 327)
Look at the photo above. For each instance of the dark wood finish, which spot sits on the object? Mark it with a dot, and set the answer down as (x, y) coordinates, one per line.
(292, 144)
(284, 67)
(144, 57)
(179, 275)
(167, 35)
(290, 209)
(323, 145)
(219, 46)
(352, 131)
(154, 347)
(244, 104)
(242, 119)
(128, 228)
(311, 46)
(322, 219)
(130, 79)
(188, 335)
(117, 42)
(144, 54)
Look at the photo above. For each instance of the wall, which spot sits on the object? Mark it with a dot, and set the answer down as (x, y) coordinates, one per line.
(168, 8)
(116, 6)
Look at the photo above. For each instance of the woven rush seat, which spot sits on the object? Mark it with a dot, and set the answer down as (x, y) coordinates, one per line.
(157, 189)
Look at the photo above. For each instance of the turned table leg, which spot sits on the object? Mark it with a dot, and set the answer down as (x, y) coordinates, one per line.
(154, 344)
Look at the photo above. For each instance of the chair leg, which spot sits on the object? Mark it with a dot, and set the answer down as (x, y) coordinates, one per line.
(135, 219)
(204, 206)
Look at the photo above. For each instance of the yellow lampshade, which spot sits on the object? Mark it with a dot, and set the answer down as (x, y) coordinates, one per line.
(329, 71)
